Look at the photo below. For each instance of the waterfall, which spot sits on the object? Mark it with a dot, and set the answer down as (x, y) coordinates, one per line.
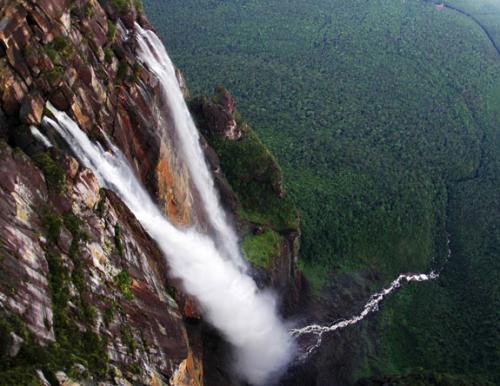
(153, 55)
(229, 298)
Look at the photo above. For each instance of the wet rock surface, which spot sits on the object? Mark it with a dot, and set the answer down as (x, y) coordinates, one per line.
(85, 295)
(79, 56)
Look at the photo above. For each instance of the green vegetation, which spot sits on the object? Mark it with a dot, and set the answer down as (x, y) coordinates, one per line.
(108, 54)
(255, 178)
(423, 378)
(139, 7)
(55, 175)
(123, 70)
(484, 11)
(70, 313)
(63, 46)
(53, 223)
(136, 73)
(363, 124)
(109, 314)
(54, 76)
(89, 10)
(111, 31)
(124, 5)
(127, 339)
(253, 173)
(101, 205)
(124, 283)
(258, 248)
(384, 116)
(121, 5)
(60, 48)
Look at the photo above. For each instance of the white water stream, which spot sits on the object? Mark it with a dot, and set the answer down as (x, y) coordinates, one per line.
(151, 52)
(230, 300)
(213, 271)
(371, 306)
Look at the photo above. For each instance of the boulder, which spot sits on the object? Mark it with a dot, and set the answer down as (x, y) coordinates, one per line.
(32, 109)
(220, 121)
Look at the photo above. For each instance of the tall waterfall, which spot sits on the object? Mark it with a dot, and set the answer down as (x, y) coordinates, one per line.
(151, 52)
(229, 298)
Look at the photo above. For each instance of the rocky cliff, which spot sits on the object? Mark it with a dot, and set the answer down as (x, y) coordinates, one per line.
(85, 295)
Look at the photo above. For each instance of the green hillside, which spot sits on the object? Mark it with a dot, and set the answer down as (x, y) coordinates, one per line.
(385, 117)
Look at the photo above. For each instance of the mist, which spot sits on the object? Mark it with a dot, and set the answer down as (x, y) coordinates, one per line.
(151, 52)
(230, 300)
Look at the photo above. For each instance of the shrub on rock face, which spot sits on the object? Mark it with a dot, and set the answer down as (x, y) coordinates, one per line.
(258, 248)
(121, 5)
(249, 166)
(54, 174)
(124, 283)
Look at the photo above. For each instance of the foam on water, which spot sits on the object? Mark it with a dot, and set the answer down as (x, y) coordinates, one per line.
(230, 299)
(151, 52)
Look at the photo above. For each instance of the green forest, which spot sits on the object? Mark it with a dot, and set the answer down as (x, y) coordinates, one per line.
(385, 118)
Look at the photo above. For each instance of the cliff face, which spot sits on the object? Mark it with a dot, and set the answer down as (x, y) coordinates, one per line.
(84, 292)
(252, 183)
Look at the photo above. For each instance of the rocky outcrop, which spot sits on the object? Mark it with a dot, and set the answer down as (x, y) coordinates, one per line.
(84, 240)
(85, 295)
(78, 56)
(218, 113)
(251, 185)
(24, 286)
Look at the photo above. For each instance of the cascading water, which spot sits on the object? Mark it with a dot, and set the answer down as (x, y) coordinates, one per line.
(371, 306)
(214, 273)
(229, 298)
(153, 55)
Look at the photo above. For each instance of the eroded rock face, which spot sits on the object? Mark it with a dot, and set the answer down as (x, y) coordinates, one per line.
(138, 318)
(219, 115)
(32, 109)
(82, 286)
(24, 288)
(78, 56)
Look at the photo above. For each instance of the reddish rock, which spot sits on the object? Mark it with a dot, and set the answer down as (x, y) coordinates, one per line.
(14, 91)
(16, 60)
(43, 23)
(45, 63)
(54, 9)
(144, 22)
(62, 98)
(225, 99)
(23, 268)
(64, 241)
(72, 166)
(135, 115)
(190, 309)
(12, 17)
(220, 121)
(128, 17)
(32, 58)
(70, 76)
(32, 109)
